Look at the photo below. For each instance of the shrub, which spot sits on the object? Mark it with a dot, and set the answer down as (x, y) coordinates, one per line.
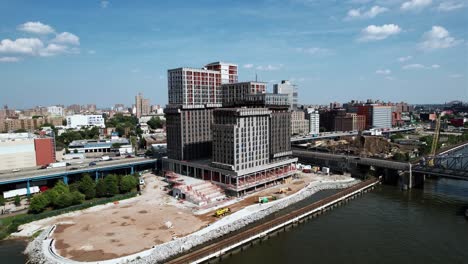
(38, 203)
(17, 200)
(2, 201)
(51, 195)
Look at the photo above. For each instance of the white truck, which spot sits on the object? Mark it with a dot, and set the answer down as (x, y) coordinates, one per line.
(57, 165)
(105, 158)
(20, 192)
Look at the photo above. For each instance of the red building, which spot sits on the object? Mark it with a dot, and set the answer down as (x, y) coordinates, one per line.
(45, 151)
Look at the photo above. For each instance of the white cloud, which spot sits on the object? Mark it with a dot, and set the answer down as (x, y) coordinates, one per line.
(415, 5)
(417, 66)
(36, 28)
(269, 67)
(390, 78)
(135, 70)
(91, 52)
(406, 58)
(248, 65)
(455, 76)
(104, 4)
(67, 38)
(53, 50)
(361, 13)
(9, 59)
(315, 51)
(27, 46)
(373, 32)
(449, 6)
(384, 72)
(437, 38)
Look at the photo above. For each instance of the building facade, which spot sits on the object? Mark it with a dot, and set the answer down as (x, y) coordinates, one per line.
(299, 125)
(25, 150)
(314, 121)
(228, 71)
(232, 134)
(286, 87)
(79, 121)
(142, 106)
(55, 110)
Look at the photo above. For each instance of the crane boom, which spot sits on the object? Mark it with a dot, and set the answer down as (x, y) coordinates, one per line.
(435, 141)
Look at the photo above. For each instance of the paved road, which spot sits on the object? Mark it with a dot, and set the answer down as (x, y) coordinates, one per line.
(73, 168)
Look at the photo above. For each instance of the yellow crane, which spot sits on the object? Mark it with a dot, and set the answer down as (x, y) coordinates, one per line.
(435, 142)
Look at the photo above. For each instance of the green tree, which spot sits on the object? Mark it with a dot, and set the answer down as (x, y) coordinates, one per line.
(64, 200)
(155, 122)
(51, 196)
(112, 185)
(127, 183)
(61, 187)
(38, 204)
(17, 200)
(21, 130)
(77, 197)
(101, 190)
(87, 186)
(2, 201)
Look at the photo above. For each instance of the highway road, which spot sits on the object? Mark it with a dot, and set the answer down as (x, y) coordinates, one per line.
(349, 133)
(74, 168)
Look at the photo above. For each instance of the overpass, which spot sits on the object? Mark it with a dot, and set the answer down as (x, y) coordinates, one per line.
(29, 177)
(344, 134)
(451, 164)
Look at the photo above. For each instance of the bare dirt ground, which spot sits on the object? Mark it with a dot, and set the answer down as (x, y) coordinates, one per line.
(125, 228)
(131, 226)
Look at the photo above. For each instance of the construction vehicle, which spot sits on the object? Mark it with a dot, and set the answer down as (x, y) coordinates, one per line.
(222, 212)
(265, 199)
(435, 142)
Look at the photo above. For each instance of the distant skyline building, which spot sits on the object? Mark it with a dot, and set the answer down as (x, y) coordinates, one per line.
(79, 121)
(286, 87)
(314, 121)
(377, 116)
(142, 105)
(55, 110)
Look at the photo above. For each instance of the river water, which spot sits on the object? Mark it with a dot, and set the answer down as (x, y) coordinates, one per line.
(385, 225)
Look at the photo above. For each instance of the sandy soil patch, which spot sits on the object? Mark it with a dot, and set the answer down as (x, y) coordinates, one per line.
(125, 228)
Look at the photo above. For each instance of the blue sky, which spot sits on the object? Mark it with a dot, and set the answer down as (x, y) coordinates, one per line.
(104, 52)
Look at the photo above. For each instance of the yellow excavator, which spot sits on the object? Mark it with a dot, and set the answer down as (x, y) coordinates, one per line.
(435, 142)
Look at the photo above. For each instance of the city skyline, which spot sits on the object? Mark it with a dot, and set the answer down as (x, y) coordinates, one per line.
(106, 52)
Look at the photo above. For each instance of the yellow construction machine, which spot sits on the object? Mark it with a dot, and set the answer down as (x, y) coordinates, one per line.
(222, 212)
(435, 142)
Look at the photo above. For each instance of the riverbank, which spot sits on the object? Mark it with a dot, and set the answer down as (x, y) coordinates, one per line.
(39, 249)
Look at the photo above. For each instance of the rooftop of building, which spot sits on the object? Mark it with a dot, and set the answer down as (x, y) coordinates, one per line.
(87, 143)
(193, 69)
(221, 62)
(16, 136)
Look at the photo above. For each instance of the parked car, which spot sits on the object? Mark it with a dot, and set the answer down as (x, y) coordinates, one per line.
(92, 163)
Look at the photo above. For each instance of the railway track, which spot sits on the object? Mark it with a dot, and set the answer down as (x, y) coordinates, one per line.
(230, 240)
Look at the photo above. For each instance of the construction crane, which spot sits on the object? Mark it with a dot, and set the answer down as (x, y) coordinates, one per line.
(435, 142)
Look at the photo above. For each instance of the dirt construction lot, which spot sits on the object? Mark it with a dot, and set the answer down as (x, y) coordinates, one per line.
(131, 226)
(125, 228)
